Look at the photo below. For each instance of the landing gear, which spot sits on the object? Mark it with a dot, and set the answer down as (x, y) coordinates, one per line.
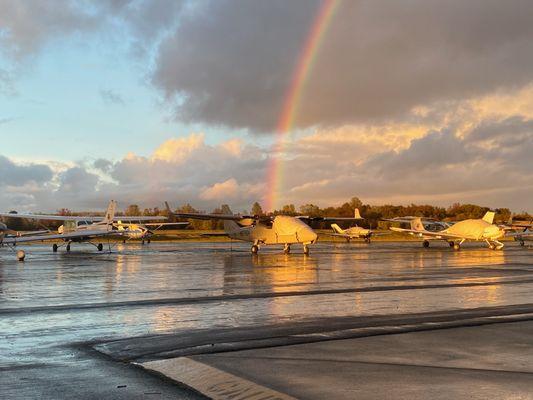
(456, 246)
(492, 246)
(21, 255)
(425, 244)
(100, 247)
(348, 240)
(68, 247)
(306, 249)
(367, 240)
(54, 248)
(522, 243)
(255, 249)
(142, 242)
(452, 244)
(148, 241)
(287, 248)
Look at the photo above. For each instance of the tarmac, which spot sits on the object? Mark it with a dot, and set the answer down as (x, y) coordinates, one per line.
(188, 320)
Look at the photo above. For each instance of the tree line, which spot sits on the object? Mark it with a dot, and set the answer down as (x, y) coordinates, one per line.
(373, 214)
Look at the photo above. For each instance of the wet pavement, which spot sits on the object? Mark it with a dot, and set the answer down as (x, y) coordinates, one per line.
(55, 307)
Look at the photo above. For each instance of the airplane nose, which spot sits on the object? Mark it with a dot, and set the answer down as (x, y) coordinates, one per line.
(307, 235)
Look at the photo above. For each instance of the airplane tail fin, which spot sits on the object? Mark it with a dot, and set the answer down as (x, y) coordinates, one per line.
(417, 225)
(230, 226)
(357, 214)
(336, 228)
(110, 213)
(170, 213)
(489, 217)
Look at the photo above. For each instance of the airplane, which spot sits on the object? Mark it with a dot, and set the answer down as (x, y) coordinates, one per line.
(470, 229)
(265, 230)
(522, 230)
(84, 228)
(355, 232)
(142, 231)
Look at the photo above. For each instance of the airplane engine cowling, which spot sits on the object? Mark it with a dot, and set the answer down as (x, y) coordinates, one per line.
(246, 222)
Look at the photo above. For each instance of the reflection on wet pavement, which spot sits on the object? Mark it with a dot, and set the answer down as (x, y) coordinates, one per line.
(335, 280)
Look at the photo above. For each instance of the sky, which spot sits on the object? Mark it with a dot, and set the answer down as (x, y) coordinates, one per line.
(419, 101)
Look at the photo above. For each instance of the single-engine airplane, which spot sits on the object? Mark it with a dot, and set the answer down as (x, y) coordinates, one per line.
(470, 229)
(84, 228)
(265, 230)
(354, 232)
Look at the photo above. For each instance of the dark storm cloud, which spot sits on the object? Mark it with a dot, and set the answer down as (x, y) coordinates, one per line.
(231, 62)
(14, 174)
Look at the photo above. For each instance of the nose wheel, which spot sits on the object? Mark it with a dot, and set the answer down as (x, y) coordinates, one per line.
(306, 249)
(100, 247)
(425, 244)
(287, 248)
(255, 249)
(54, 248)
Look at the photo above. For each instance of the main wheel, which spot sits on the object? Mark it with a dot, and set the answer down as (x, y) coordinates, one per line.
(148, 241)
(347, 240)
(456, 246)
(143, 241)
(54, 248)
(367, 240)
(522, 243)
(68, 247)
(452, 244)
(255, 249)
(287, 249)
(306, 250)
(492, 246)
(100, 247)
(425, 244)
(21, 255)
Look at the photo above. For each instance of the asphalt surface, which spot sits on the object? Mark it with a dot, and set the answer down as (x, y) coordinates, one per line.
(146, 302)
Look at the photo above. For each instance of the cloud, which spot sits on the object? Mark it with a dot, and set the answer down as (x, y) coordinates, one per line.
(231, 62)
(221, 191)
(111, 97)
(15, 174)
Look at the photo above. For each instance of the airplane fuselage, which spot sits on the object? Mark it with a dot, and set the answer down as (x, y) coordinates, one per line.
(284, 230)
(476, 229)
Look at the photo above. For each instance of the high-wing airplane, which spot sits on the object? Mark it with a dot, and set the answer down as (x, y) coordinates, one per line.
(85, 229)
(142, 231)
(523, 230)
(470, 229)
(265, 230)
(354, 232)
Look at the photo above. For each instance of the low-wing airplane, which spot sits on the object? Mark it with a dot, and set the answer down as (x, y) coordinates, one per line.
(85, 229)
(354, 232)
(470, 229)
(265, 230)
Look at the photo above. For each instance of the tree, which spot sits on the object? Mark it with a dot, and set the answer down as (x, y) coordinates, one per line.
(257, 209)
(132, 210)
(355, 203)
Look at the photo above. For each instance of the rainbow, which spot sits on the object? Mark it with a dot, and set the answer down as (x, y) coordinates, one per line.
(293, 97)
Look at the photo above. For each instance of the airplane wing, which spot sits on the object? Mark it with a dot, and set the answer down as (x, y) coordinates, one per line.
(59, 236)
(166, 224)
(226, 217)
(427, 234)
(326, 219)
(50, 217)
(138, 219)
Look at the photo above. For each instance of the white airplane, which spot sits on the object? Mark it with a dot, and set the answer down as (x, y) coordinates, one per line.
(142, 231)
(470, 229)
(265, 230)
(354, 232)
(83, 229)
